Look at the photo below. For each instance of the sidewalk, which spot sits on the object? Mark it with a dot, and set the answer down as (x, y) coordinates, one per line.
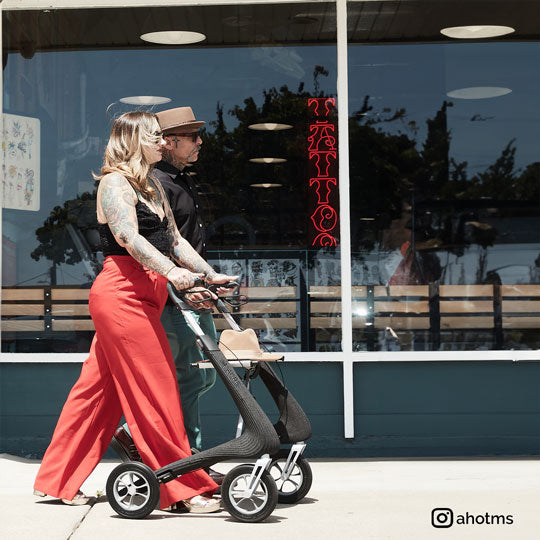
(349, 499)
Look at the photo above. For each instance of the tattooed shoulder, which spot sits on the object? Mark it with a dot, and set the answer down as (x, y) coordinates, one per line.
(116, 185)
(114, 179)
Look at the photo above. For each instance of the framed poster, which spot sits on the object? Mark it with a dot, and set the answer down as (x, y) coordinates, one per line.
(21, 166)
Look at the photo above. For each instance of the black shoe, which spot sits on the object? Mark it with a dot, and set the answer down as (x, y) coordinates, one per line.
(123, 445)
(217, 477)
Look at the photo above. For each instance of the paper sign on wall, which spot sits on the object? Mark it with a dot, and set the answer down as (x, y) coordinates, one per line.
(21, 166)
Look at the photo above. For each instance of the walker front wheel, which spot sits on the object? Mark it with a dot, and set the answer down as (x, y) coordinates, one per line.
(292, 485)
(240, 504)
(133, 490)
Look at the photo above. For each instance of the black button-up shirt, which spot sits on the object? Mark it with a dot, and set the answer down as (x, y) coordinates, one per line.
(185, 203)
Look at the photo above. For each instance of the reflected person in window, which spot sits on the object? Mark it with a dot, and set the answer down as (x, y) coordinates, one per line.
(130, 369)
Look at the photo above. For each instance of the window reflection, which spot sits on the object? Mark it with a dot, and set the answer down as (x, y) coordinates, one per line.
(74, 72)
(445, 171)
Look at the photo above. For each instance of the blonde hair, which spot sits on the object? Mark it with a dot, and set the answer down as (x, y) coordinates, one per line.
(124, 152)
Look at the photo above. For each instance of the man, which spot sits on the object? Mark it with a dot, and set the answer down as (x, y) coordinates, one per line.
(180, 131)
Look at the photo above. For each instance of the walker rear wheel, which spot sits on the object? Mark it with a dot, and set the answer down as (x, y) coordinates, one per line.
(294, 486)
(133, 490)
(248, 508)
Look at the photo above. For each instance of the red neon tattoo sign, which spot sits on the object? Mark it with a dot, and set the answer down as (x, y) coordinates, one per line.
(322, 155)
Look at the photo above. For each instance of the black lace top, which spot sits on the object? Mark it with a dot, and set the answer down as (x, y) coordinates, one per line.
(150, 227)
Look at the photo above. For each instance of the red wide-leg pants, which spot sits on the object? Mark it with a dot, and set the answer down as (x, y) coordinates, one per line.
(130, 370)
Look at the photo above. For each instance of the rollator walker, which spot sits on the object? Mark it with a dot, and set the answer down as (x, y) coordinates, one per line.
(249, 492)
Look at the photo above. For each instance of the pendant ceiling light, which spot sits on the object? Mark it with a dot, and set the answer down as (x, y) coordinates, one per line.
(173, 37)
(269, 126)
(265, 185)
(479, 92)
(476, 32)
(268, 160)
(145, 100)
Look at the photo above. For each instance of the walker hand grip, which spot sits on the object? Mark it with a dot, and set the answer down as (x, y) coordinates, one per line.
(229, 285)
(173, 291)
(180, 303)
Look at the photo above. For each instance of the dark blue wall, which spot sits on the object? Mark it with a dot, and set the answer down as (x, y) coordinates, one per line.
(401, 409)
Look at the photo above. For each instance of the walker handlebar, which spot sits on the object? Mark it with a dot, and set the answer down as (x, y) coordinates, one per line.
(179, 297)
(228, 285)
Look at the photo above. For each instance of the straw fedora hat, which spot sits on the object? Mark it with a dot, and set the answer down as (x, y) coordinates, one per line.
(179, 120)
(244, 345)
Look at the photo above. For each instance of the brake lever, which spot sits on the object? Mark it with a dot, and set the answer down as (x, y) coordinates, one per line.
(229, 285)
(236, 301)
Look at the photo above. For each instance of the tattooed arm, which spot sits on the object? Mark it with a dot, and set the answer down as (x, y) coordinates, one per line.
(116, 206)
(181, 249)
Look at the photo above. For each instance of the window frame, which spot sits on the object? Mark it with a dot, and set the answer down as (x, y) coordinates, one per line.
(346, 357)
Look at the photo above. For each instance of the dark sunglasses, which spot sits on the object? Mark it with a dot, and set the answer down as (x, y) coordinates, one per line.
(194, 136)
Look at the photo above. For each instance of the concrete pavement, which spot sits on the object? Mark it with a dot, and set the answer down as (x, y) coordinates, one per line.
(358, 499)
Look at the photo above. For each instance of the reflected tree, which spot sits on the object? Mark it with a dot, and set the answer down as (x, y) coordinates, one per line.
(419, 200)
(69, 235)
(401, 191)
(278, 217)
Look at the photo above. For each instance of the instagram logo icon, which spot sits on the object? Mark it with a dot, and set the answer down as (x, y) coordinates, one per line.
(442, 518)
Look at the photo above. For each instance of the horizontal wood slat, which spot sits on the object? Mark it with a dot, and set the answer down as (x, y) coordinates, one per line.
(69, 294)
(267, 307)
(329, 322)
(73, 325)
(454, 323)
(325, 290)
(402, 307)
(23, 309)
(403, 323)
(269, 292)
(272, 323)
(520, 290)
(331, 306)
(334, 291)
(466, 290)
(466, 306)
(521, 322)
(23, 326)
(401, 290)
(22, 294)
(521, 306)
(70, 310)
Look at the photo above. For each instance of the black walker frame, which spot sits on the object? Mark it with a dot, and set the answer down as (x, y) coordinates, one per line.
(249, 492)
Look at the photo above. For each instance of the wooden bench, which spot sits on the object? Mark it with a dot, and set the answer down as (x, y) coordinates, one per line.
(466, 306)
(268, 308)
(42, 309)
(419, 307)
(397, 306)
(23, 310)
(520, 306)
(406, 308)
(63, 309)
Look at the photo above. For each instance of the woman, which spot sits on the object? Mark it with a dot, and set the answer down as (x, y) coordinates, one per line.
(130, 369)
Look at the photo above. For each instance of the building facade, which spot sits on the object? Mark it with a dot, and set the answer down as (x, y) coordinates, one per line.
(371, 169)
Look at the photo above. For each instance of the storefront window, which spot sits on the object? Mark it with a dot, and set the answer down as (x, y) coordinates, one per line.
(445, 176)
(253, 79)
